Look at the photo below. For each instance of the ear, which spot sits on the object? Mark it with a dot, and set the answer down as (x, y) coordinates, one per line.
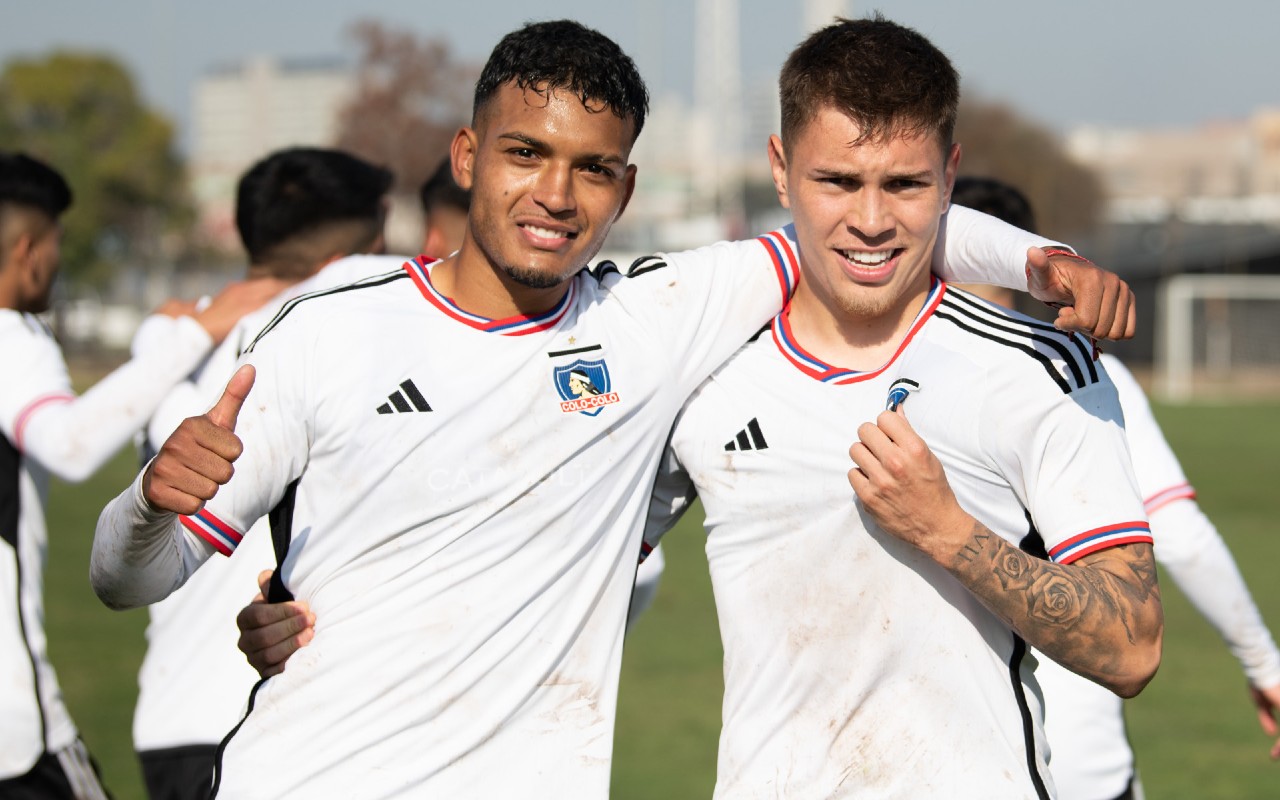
(950, 170)
(778, 165)
(462, 152)
(629, 189)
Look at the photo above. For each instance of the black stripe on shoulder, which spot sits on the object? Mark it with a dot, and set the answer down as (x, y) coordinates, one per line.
(1076, 342)
(602, 270)
(645, 264)
(1028, 726)
(1022, 337)
(363, 283)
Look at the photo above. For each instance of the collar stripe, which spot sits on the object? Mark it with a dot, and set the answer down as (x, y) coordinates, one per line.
(419, 270)
(819, 370)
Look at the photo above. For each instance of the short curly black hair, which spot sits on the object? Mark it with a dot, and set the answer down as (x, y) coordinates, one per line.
(563, 54)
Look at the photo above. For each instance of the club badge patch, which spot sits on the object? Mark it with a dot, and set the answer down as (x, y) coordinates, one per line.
(899, 391)
(584, 386)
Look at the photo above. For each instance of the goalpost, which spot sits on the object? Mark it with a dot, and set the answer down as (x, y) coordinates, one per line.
(1218, 335)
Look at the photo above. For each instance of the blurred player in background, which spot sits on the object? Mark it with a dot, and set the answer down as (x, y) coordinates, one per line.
(297, 211)
(469, 546)
(1092, 759)
(47, 430)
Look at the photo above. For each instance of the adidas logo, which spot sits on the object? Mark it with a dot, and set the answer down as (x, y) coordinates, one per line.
(397, 402)
(749, 438)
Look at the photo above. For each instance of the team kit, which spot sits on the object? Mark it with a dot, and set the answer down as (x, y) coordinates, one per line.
(458, 469)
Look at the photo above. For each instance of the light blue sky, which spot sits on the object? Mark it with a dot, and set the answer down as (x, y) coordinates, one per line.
(1115, 62)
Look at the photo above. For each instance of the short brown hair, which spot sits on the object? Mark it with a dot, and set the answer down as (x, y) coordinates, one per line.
(887, 78)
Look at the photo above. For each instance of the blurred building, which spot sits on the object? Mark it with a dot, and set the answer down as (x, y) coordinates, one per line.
(1222, 172)
(241, 113)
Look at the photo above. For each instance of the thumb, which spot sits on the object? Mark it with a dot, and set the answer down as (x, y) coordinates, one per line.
(228, 407)
(1039, 275)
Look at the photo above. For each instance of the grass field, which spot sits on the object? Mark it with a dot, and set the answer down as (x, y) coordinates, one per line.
(1193, 728)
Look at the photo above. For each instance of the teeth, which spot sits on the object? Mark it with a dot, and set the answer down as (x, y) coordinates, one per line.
(865, 259)
(545, 233)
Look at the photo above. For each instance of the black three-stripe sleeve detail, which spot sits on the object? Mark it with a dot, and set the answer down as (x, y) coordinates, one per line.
(1051, 336)
(364, 283)
(1028, 349)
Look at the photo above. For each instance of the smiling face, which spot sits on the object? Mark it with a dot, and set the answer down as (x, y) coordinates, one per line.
(548, 176)
(866, 215)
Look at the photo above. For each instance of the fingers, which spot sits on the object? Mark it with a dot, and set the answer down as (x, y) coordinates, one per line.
(193, 462)
(272, 632)
(227, 409)
(264, 585)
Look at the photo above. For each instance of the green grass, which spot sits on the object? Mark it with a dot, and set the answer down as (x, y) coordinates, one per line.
(1193, 728)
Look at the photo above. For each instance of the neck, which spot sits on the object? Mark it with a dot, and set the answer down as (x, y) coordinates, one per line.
(861, 340)
(479, 286)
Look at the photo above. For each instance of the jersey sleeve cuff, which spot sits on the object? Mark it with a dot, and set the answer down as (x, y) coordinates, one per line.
(1081, 545)
(1160, 499)
(221, 537)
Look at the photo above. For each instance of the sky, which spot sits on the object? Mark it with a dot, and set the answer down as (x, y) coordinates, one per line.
(1127, 63)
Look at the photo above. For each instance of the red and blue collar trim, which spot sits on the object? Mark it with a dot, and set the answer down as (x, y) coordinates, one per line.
(785, 262)
(819, 370)
(419, 270)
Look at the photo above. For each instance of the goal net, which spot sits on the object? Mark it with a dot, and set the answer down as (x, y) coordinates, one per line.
(1218, 336)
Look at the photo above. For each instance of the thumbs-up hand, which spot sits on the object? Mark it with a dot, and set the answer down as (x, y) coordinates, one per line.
(197, 458)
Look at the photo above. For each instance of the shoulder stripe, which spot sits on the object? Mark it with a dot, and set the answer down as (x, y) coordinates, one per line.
(1083, 371)
(996, 316)
(363, 283)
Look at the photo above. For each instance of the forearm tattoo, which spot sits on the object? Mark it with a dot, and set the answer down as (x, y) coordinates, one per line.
(1071, 613)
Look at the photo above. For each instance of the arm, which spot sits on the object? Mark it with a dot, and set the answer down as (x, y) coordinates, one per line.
(1099, 616)
(141, 552)
(1191, 551)
(977, 248)
(73, 436)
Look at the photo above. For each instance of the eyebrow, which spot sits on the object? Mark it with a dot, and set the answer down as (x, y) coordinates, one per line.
(591, 158)
(918, 175)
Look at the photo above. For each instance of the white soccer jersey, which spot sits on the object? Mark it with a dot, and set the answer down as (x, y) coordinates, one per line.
(465, 498)
(854, 665)
(47, 429)
(194, 682)
(1084, 722)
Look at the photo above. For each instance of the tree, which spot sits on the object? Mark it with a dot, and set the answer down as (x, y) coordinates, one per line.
(1067, 196)
(82, 114)
(411, 97)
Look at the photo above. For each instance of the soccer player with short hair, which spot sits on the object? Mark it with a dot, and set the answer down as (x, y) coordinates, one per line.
(468, 546)
(298, 211)
(47, 430)
(877, 645)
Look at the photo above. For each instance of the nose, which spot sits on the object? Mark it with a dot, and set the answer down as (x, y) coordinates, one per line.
(870, 214)
(554, 190)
